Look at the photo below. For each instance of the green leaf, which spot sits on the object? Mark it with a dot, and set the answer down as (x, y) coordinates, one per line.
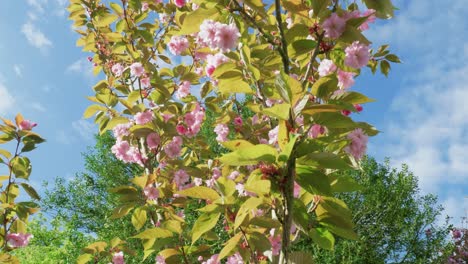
(344, 183)
(351, 97)
(139, 218)
(249, 205)
(352, 34)
(105, 20)
(301, 46)
(393, 58)
(30, 190)
(282, 86)
(237, 144)
(250, 155)
(333, 120)
(280, 111)
(193, 20)
(154, 233)
(266, 222)
(204, 223)
(323, 238)
(384, 8)
(234, 85)
(230, 245)
(21, 167)
(83, 259)
(200, 192)
(385, 67)
(287, 149)
(319, 6)
(324, 160)
(300, 215)
(117, 8)
(325, 86)
(259, 241)
(313, 181)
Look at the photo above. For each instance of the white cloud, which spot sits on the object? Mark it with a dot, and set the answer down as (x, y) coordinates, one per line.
(429, 127)
(63, 138)
(38, 6)
(18, 70)
(38, 107)
(35, 37)
(7, 101)
(84, 128)
(81, 66)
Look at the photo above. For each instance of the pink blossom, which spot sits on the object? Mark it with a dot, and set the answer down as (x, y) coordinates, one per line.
(142, 118)
(218, 36)
(326, 67)
(456, 234)
(27, 125)
(358, 108)
(271, 102)
(166, 116)
(297, 190)
(334, 26)
(17, 240)
(144, 6)
(181, 178)
(179, 3)
(126, 153)
(122, 130)
(198, 71)
(117, 69)
(164, 18)
(151, 193)
(273, 136)
(213, 61)
(275, 243)
(289, 22)
(212, 260)
(345, 112)
(357, 55)
(222, 130)
(198, 181)
(233, 175)
(238, 121)
(316, 130)
(145, 82)
(345, 79)
(172, 149)
(118, 258)
(194, 120)
(216, 173)
(207, 33)
(136, 69)
(370, 14)
(153, 140)
(240, 189)
(183, 90)
(178, 44)
(358, 146)
(226, 37)
(195, 6)
(181, 129)
(235, 259)
(160, 259)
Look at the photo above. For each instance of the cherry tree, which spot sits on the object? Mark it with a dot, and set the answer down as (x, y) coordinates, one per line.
(279, 78)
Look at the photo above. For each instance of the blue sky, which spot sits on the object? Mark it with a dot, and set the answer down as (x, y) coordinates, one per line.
(421, 108)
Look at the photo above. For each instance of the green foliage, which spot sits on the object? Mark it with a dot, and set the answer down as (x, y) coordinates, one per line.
(391, 219)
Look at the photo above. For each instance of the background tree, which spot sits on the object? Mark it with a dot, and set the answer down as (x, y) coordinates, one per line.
(396, 223)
